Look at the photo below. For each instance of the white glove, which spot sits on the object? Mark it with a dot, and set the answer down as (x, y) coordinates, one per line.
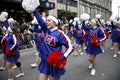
(30, 5)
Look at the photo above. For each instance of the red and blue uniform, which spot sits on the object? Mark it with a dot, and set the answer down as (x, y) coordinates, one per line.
(80, 34)
(10, 41)
(115, 33)
(39, 36)
(54, 40)
(94, 32)
(107, 30)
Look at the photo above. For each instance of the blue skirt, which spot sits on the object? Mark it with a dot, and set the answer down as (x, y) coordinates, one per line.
(46, 68)
(13, 58)
(78, 41)
(93, 50)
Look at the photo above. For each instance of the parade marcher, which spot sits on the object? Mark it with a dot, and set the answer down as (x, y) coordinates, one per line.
(80, 38)
(95, 36)
(39, 36)
(105, 28)
(5, 24)
(115, 36)
(10, 45)
(53, 59)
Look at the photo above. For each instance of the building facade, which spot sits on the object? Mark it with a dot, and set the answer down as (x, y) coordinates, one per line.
(73, 8)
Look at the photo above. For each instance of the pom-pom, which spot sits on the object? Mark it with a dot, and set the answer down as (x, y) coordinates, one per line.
(4, 44)
(94, 41)
(76, 19)
(82, 38)
(113, 18)
(84, 16)
(87, 32)
(3, 16)
(74, 30)
(55, 59)
(10, 52)
(98, 16)
(30, 5)
(118, 36)
(107, 33)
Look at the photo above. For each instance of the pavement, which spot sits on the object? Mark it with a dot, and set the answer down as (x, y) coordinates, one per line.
(108, 68)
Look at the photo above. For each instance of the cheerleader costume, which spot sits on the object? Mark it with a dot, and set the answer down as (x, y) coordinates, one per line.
(115, 33)
(95, 32)
(107, 31)
(54, 40)
(11, 41)
(80, 35)
(39, 36)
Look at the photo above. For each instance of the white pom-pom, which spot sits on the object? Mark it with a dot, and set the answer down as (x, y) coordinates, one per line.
(3, 16)
(30, 5)
(79, 22)
(76, 19)
(98, 16)
(11, 21)
(84, 16)
(113, 18)
(86, 22)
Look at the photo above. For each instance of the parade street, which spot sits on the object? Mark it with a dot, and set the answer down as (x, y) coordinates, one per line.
(108, 68)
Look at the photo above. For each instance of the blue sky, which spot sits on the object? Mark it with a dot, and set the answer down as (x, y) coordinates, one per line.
(115, 4)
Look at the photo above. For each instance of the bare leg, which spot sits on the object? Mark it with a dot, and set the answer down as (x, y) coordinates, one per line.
(43, 76)
(3, 67)
(56, 78)
(10, 69)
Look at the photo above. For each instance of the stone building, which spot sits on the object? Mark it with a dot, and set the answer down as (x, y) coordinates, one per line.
(76, 7)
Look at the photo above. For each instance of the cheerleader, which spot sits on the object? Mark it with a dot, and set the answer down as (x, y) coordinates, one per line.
(39, 36)
(53, 59)
(115, 37)
(80, 38)
(107, 31)
(10, 45)
(95, 36)
(5, 24)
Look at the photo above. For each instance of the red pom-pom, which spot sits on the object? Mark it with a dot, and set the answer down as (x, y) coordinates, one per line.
(118, 36)
(74, 30)
(4, 45)
(94, 41)
(87, 32)
(82, 38)
(107, 34)
(8, 52)
(55, 59)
